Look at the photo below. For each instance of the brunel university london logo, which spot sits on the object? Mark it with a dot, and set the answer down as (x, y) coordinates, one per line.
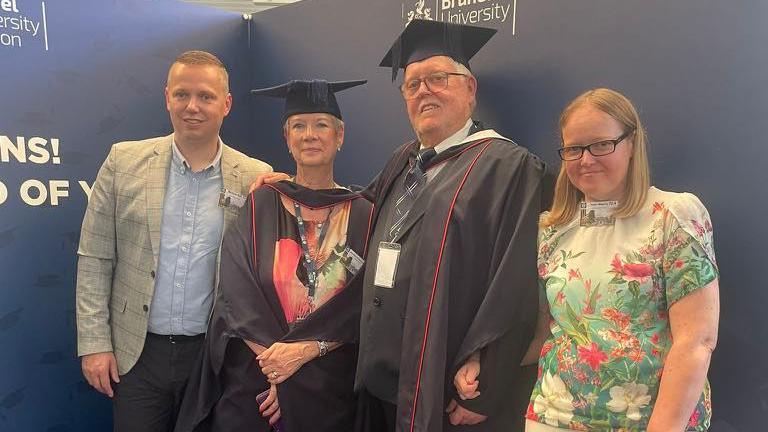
(472, 12)
(23, 23)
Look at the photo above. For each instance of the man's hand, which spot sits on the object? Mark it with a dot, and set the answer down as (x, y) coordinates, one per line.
(282, 360)
(98, 369)
(267, 178)
(270, 408)
(465, 381)
(459, 415)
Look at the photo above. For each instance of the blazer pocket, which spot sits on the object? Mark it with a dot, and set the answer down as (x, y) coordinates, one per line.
(119, 304)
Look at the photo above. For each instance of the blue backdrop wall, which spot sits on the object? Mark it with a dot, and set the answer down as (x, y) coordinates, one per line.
(99, 81)
(695, 68)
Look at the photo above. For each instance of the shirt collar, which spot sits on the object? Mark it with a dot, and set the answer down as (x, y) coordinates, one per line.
(454, 139)
(180, 161)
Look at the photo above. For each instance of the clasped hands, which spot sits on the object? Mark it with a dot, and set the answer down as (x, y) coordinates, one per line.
(278, 363)
(281, 360)
(466, 384)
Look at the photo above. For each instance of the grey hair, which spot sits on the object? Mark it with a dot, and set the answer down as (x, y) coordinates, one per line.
(460, 68)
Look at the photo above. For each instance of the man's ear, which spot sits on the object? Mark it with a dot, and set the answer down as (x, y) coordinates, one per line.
(472, 84)
(227, 104)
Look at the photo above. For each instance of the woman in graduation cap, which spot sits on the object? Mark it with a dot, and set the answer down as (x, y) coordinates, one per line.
(281, 345)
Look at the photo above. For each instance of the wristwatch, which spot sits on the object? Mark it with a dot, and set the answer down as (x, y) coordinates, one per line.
(323, 347)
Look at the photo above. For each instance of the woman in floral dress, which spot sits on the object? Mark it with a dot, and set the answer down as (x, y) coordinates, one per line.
(631, 284)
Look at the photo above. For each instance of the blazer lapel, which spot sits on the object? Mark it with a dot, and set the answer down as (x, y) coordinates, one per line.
(157, 176)
(232, 180)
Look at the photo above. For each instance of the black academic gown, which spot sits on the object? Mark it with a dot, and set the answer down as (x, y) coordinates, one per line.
(466, 281)
(319, 396)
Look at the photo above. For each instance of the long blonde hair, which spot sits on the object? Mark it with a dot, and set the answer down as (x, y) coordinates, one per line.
(567, 197)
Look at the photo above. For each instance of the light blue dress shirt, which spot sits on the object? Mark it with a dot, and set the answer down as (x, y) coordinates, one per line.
(190, 236)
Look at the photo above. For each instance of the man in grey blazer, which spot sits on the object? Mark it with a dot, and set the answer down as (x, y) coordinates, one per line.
(148, 255)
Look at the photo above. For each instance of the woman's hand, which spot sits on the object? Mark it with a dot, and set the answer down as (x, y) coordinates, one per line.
(267, 178)
(281, 360)
(270, 408)
(465, 381)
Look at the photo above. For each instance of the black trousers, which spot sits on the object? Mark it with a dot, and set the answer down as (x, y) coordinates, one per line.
(148, 397)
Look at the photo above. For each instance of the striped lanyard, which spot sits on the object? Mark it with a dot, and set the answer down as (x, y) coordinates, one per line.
(309, 264)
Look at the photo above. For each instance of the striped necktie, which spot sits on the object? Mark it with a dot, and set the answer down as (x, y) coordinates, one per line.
(415, 179)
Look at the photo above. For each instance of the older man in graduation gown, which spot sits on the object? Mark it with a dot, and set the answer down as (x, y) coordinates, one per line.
(450, 280)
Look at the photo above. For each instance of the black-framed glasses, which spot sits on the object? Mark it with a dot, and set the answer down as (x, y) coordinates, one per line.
(435, 83)
(600, 148)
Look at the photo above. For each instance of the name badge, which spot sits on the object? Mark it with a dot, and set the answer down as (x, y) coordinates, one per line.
(598, 213)
(350, 259)
(227, 198)
(386, 264)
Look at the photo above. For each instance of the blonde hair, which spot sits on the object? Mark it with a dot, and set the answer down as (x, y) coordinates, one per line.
(567, 197)
(202, 58)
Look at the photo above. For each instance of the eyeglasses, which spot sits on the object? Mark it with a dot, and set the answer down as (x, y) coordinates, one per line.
(435, 83)
(600, 148)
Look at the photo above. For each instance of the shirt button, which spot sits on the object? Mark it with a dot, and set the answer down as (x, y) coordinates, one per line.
(376, 301)
(184, 248)
(178, 285)
(189, 213)
(145, 307)
(152, 273)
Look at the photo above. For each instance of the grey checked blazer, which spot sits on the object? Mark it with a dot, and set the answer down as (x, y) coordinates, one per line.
(120, 242)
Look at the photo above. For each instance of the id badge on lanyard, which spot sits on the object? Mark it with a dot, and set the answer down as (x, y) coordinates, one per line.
(386, 264)
(350, 259)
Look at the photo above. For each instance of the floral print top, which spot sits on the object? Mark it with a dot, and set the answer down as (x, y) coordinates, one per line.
(609, 289)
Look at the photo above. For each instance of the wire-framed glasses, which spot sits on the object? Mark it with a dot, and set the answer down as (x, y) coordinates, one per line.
(435, 83)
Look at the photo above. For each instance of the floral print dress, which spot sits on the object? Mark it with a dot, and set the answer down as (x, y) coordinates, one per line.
(609, 290)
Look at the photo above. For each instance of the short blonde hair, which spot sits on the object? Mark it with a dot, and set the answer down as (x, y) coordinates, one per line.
(202, 58)
(565, 204)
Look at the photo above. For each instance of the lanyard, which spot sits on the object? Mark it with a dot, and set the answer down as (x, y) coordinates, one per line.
(309, 264)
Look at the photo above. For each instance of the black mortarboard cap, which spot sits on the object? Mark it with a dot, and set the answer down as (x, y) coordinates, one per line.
(422, 39)
(309, 96)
